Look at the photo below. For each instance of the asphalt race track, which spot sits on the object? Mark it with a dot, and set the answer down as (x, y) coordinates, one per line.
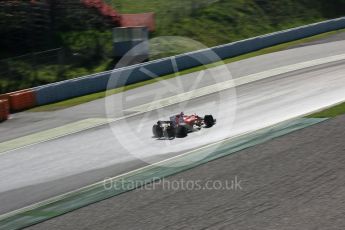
(293, 182)
(40, 171)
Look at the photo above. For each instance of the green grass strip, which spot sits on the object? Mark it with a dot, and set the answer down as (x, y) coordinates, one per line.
(330, 112)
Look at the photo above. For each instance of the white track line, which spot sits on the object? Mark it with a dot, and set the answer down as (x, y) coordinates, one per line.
(232, 83)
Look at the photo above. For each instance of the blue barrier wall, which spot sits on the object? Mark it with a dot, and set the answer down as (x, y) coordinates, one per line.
(136, 73)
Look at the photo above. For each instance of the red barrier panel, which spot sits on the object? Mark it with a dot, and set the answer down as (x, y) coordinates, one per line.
(145, 19)
(22, 100)
(4, 110)
(4, 97)
(19, 100)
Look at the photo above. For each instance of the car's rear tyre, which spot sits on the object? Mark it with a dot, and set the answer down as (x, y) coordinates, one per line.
(181, 132)
(171, 132)
(209, 121)
(157, 131)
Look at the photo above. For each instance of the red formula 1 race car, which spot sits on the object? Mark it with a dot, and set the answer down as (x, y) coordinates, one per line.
(180, 125)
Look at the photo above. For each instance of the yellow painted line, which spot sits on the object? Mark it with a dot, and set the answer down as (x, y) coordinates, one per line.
(50, 134)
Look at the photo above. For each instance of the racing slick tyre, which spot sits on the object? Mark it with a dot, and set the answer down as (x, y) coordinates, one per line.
(208, 121)
(181, 132)
(157, 131)
(170, 132)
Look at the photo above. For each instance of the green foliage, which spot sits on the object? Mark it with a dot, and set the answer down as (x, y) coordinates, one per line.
(87, 39)
(89, 48)
(226, 21)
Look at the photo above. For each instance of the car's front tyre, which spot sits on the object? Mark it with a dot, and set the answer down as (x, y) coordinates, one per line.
(209, 121)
